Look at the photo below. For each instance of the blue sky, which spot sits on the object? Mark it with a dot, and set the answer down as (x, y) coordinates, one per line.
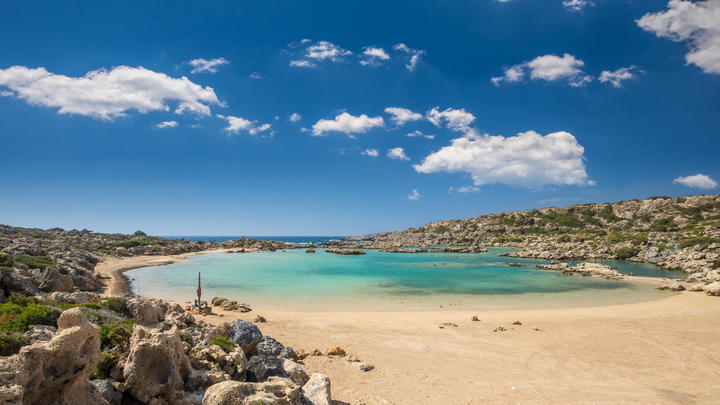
(515, 105)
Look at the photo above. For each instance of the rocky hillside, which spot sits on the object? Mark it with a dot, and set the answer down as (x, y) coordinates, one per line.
(675, 233)
(36, 261)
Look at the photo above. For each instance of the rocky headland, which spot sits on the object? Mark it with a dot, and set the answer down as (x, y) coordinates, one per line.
(680, 233)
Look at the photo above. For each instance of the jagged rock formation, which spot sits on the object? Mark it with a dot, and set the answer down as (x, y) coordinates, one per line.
(56, 371)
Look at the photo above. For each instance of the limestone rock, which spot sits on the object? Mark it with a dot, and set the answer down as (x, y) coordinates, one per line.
(295, 371)
(317, 390)
(246, 334)
(56, 371)
(145, 312)
(156, 367)
(260, 368)
(276, 391)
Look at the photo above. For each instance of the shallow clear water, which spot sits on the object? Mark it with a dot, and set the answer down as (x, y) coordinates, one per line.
(378, 280)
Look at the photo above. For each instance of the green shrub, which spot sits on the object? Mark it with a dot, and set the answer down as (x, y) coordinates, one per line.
(34, 262)
(608, 214)
(625, 252)
(225, 343)
(441, 229)
(185, 337)
(11, 342)
(105, 366)
(697, 241)
(113, 334)
(663, 225)
(5, 259)
(639, 239)
(241, 242)
(615, 236)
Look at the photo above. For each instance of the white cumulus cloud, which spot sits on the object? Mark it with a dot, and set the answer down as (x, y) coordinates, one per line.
(618, 76)
(414, 54)
(697, 181)
(697, 22)
(347, 124)
(455, 119)
(549, 68)
(201, 65)
(373, 56)
(167, 124)
(295, 117)
(414, 195)
(302, 63)
(237, 124)
(402, 115)
(107, 94)
(397, 153)
(527, 159)
(371, 152)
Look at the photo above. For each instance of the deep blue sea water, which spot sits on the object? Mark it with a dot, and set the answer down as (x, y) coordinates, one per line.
(301, 240)
(293, 279)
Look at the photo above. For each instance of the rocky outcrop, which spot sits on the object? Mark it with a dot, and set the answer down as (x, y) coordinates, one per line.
(56, 371)
(156, 368)
(341, 251)
(584, 269)
(275, 391)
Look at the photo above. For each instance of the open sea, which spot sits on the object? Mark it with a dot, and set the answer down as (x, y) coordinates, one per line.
(295, 280)
(300, 240)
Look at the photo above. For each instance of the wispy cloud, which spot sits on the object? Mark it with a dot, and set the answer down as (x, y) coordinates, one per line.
(201, 65)
(548, 68)
(397, 154)
(167, 124)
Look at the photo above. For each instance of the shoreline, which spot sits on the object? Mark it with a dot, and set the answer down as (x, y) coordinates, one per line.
(113, 269)
(617, 353)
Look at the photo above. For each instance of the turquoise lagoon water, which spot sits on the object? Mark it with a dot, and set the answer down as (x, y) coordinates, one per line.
(294, 279)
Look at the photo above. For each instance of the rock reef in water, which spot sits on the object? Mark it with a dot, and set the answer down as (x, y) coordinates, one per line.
(584, 269)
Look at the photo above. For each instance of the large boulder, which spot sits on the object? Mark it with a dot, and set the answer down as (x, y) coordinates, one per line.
(246, 334)
(56, 371)
(156, 368)
(260, 368)
(145, 312)
(317, 390)
(269, 347)
(276, 391)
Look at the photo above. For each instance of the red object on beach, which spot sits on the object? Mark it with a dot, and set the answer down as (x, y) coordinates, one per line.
(199, 290)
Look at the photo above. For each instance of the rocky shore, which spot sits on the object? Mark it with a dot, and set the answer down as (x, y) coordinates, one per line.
(118, 351)
(680, 233)
(66, 344)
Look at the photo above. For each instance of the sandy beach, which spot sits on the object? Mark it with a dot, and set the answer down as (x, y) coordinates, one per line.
(664, 351)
